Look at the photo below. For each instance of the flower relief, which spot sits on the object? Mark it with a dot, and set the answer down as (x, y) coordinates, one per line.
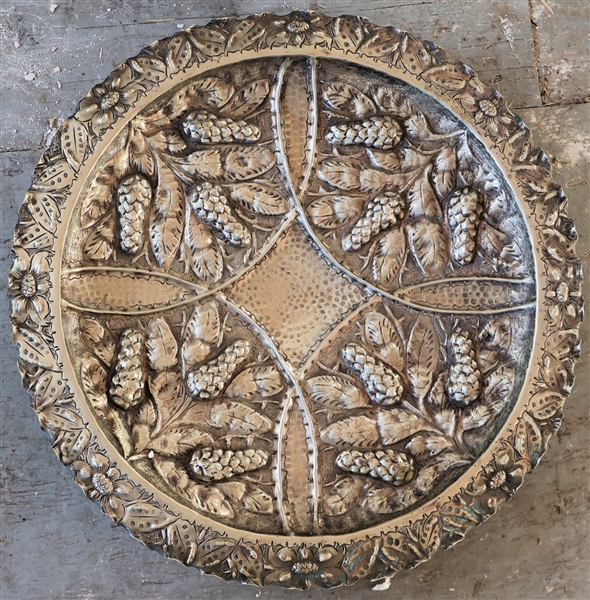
(487, 107)
(28, 281)
(107, 102)
(298, 28)
(564, 294)
(303, 567)
(500, 479)
(103, 484)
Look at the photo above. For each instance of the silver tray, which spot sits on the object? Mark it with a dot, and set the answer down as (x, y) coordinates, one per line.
(296, 299)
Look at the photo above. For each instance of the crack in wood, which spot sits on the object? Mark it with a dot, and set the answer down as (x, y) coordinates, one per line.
(542, 79)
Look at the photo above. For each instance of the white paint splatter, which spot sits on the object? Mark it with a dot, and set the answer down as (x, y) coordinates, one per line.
(383, 586)
(508, 30)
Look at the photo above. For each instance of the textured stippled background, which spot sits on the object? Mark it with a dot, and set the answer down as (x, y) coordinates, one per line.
(57, 544)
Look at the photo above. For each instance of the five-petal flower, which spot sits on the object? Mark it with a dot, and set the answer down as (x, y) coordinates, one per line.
(499, 479)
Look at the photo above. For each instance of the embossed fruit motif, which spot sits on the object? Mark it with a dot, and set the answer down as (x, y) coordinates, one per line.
(398, 381)
(157, 387)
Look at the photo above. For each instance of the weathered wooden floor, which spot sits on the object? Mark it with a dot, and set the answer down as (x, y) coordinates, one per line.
(57, 544)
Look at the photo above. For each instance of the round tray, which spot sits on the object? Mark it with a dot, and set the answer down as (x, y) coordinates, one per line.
(296, 299)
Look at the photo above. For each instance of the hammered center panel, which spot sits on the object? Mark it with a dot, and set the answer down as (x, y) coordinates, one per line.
(299, 294)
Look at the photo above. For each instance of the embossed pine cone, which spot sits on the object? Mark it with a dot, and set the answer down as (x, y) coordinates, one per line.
(211, 206)
(128, 381)
(381, 131)
(209, 380)
(206, 128)
(215, 464)
(382, 383)
(134, 194)
(390, 466)
(464, 210)
(464, 379)
(380, 213)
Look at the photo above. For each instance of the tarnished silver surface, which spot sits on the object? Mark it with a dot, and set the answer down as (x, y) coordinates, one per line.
(296, 299)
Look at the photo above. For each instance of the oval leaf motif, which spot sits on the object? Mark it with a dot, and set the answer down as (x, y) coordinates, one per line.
(384, 159)
(422, 201)
(334, 212)
(174, 441)
(143, 516)
(101, 242)
(498, 387)
(397, 424)
(167, 218)
(259, 198)
(500, 249)
(247, 99)
(389, 257)
(344, 496)
(98, 339)
(56, 175)
(162, 348)
(202, 250)
(239, 419)
(545, 404)
(346, 98)
(33, 348)
(179, 53)
(263, 381)
(384, 340)
(528, 439)
(43, 209)
(202, 333)
(94, 382)
(74, 142)
(444, 175)
(430, 245)
(423, 355)
(358, 431)
(336, 392)
(228, 164)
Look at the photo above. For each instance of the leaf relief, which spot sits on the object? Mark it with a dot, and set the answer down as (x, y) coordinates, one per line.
(336, 392)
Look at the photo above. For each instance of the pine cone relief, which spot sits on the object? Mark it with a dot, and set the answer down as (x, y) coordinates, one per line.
(209, 380)
(206, 128)
(381, 131)
(381, 212)
(464, 380)
(382, 383)
(390, 466)
(128, 381)
(216, 464)
(464, 210)
(210, 204)
(134, 195)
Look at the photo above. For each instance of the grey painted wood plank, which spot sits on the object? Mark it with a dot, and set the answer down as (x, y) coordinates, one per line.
(78, 44)
(561, 33)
